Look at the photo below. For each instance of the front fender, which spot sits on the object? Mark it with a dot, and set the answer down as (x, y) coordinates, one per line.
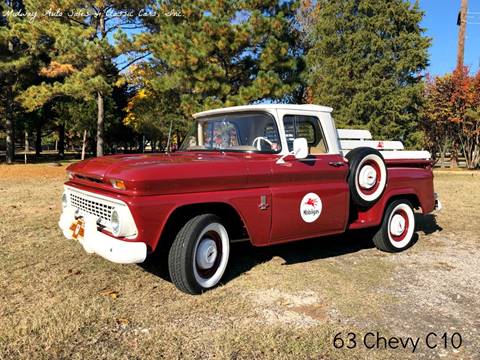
(153, 212)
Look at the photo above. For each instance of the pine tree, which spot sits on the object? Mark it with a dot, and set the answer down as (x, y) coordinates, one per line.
(83, 57)
(156, 115)
(18, 66)
(366, 61)
(208, 54)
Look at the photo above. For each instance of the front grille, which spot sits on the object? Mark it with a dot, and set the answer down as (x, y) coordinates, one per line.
(92, 207)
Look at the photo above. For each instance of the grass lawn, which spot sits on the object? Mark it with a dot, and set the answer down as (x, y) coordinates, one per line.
(281, 302)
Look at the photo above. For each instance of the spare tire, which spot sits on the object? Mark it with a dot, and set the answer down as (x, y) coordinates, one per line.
(367, 177)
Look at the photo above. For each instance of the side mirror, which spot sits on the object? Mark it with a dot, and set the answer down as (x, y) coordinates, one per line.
(300, 148)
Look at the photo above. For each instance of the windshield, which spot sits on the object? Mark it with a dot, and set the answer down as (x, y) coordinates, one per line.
(234, 132)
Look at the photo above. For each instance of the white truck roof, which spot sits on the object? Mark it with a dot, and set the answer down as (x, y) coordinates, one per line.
(260, 107)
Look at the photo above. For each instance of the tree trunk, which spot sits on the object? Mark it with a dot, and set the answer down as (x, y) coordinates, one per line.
(10, 128)
(469, 151)
(476, 157)
(443, 148)
(454, 161)
(141, 144)
(454, 156)
(100, 95)
(61, 141)
(84, 144)
(442, 157)
(100, 123)
(27, 146)
(10, 140)
(27, 142)
(38, 138)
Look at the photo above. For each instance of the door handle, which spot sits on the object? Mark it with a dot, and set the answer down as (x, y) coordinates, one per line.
(336, 163)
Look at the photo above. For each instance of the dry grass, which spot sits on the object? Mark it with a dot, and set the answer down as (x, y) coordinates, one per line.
(282, 302)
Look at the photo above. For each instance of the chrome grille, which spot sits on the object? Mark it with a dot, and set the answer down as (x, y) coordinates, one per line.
(91, 207)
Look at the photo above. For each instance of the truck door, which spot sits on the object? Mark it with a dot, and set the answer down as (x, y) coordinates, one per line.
(310, 197)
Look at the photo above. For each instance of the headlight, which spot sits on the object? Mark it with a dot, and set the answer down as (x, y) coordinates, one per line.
(115, 223)
(64, 200)
(121, 222)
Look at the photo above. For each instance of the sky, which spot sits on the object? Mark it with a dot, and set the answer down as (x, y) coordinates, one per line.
(440, 22)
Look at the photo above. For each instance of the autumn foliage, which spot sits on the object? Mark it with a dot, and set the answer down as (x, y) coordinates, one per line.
(452, 115)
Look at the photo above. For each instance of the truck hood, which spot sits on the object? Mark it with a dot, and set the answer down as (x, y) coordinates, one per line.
(149, 174)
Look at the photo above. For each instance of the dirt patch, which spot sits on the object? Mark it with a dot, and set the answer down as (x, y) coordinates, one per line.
(276, 297)
(282, 308)
(23, 172)
(318, 312)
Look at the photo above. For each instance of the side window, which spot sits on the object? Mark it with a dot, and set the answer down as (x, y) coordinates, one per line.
(308, 127)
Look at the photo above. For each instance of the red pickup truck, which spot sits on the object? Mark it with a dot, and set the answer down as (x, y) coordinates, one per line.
(267, 174)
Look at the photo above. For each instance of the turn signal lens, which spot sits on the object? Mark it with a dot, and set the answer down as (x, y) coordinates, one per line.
(118, 184)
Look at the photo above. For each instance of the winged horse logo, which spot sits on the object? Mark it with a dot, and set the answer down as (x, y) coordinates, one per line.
(311, 202)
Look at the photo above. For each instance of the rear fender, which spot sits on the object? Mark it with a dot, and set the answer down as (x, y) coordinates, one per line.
(373, 216)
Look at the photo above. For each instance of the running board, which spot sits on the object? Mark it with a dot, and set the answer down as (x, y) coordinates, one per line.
(239, 240)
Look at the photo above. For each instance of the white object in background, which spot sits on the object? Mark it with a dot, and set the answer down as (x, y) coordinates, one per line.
(406, 154)
(354, 134)
(376, 144)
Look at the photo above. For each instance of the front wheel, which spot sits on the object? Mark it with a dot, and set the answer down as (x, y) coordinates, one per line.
(398, 227)
(199, 254)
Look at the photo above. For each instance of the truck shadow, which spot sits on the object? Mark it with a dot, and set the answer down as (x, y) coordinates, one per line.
(426, 223)
(245, 257)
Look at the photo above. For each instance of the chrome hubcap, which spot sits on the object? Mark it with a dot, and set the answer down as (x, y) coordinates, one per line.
(368, 177)
(206, 254)
(397, 225)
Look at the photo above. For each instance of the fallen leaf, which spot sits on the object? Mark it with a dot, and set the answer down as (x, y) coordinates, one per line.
(123, 322)
(111, 293)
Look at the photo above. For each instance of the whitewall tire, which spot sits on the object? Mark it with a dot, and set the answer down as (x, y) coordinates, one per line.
(199, 254)
(367, 178)
(398, 227)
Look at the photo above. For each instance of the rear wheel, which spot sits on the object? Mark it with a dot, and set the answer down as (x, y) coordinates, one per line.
(398, 227)
(199, 254)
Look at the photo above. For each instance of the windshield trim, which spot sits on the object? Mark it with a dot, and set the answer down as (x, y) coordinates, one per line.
(235, 150)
